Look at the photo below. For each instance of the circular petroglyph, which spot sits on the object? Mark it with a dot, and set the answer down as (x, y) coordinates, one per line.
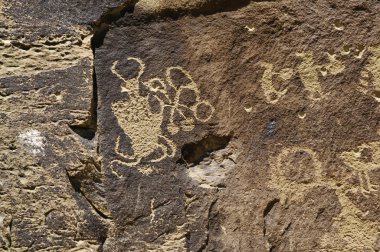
(293, 171)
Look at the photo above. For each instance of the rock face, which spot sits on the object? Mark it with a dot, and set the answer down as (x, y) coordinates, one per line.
(192, 125)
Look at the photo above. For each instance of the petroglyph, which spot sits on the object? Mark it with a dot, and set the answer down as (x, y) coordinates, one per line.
(309, 72)
(137, 120)
(338, 25)
(271, 94)
(180, 108)
(334, 66)
(301, 115)
(248, 108)
(350, 232)
(359, 51)
(364, 159)
(250, 28)
(143, 126)
(346, 50)
(289, 176)
(370, 76)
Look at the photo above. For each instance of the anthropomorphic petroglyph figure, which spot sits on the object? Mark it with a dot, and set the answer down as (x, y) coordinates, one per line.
(364, 159)
(349, 231)
(296, 170)
(272, 95)
(370, 76)
(139, 123)
(143, 125)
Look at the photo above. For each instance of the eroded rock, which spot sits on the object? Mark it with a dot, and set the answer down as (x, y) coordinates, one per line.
(198, 125)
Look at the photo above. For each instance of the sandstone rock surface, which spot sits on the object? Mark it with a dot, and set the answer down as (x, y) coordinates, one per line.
(192, 125)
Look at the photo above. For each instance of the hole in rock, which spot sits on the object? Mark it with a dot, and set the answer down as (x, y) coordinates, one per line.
(323, 71)
(21, 45)
(84, 132)
(338, 25)
(376, 94)
(270, 206)
(248, 108)
(360, 48)
(346, 49)
(194, 153)
(301, 114)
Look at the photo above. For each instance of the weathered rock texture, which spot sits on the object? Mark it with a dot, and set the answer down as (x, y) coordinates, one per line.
(192, 125)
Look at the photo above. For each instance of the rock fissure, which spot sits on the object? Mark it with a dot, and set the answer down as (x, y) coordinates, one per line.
(270, 206)
(100, 213)
(102, 25)
(10, 233)
(89, 129)
(208, 230)
(76, 185)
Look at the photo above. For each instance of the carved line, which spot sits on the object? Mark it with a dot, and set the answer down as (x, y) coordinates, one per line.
(158, 86)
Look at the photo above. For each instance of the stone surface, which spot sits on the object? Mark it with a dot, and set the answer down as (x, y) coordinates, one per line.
(199, 125)
(51, 185)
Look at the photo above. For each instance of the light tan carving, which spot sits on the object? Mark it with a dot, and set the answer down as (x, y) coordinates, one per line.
(289, 176)
(359, 51)
(250, 28)
(309, 72)
(350, 231)
(364, 159)
(338, 25)
(143, 126)
(137, 120)
(176, 106)
(271, 94)
(334, 66)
